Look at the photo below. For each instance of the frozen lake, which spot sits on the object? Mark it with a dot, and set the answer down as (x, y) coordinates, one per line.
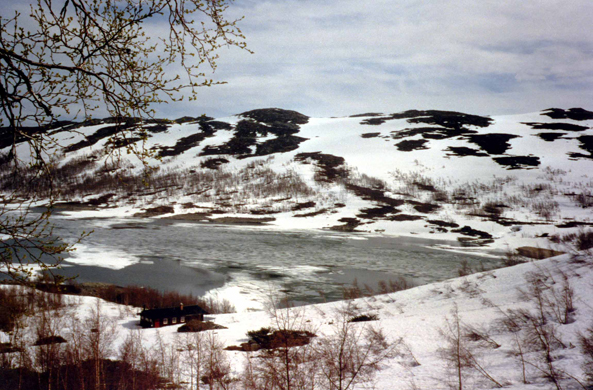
(245, 264)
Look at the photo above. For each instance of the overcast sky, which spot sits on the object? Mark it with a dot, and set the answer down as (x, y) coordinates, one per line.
(334, 58)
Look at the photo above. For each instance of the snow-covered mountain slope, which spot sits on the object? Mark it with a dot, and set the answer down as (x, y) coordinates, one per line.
(500, 181)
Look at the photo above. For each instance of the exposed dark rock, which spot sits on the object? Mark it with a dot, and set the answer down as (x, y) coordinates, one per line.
(185, 119)
(492, 143)
(555, 126)
(411, 145)
(183, 144)
(216, 125)
(432, 132)
(123, 142)
(577, 114)
(375, 121)
(103, 132)
(404, 217)
(311, 214)
(272, 115)
(573, 224)
(448, 119)
(587, 145)
(304, 205)
(551, 137)
(103, 199)
(469, 231)
(245, 139)
(158, 128)
(425, 208)
(281, 144)
(461, 151)
(442, 223)
(518, 162)
(370, 135)
(264, 211)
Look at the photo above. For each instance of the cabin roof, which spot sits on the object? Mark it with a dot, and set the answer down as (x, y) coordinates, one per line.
(173, 312)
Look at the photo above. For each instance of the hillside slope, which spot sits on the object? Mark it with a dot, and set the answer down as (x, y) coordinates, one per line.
(502, 181)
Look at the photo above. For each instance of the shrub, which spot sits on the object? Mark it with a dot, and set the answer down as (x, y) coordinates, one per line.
(586, 347)
(364, 318)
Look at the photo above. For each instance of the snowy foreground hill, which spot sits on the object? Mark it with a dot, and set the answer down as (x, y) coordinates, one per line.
(521, 327)
(501, 182)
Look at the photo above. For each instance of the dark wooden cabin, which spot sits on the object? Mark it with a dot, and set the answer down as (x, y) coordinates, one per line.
(155, 318)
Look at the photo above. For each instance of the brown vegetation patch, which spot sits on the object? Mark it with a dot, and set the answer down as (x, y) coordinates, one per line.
(155, 211)
(199, 326)
(537, 253)
(350, 225)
